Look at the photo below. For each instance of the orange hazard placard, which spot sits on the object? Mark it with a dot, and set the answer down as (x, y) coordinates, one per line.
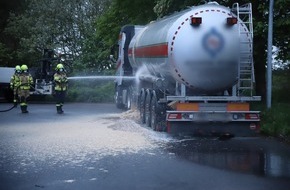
(238, 107)
(187, 107)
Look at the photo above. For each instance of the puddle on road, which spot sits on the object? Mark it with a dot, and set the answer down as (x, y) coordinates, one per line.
(246, 155)
(234, 155)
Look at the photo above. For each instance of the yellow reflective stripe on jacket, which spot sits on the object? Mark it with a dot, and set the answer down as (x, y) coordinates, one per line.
(14, 81)
(25, 81)
(23, 104)
(60, 82)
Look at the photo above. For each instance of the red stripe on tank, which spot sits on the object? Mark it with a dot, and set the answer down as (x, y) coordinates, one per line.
(156, 50)
(130, 52)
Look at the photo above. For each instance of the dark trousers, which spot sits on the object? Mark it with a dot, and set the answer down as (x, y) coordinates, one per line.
(60, 97)
(23, 95)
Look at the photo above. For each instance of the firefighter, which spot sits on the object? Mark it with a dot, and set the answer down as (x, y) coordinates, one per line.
(14, 83)
(60, 88)
(24, 87)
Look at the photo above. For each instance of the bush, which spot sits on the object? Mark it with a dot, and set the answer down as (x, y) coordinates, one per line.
(276, 121)
(281, 87)
(90, 91)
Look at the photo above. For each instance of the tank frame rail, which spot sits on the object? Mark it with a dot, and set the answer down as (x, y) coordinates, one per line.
(213, 116)
(246, 75)
(212, 98)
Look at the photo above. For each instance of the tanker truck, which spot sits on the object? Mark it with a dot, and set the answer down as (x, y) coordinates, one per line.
(193, 71)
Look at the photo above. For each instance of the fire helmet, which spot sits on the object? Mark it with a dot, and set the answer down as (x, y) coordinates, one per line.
(17, 68)
(59, 66)
(24, 67)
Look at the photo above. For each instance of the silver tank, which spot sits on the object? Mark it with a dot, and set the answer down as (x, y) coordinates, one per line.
(204, 58)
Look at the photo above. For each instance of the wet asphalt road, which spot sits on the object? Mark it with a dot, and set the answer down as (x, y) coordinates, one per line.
(96, 146)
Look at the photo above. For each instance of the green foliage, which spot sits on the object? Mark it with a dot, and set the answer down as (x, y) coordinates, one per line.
(108, 25)
(276, 121)
(91, 91)
(135, 12)
(282, 28)
(8, 42)
(281, 87)
(281, 25)
(165, 7)
(64, 25)
(5, 56)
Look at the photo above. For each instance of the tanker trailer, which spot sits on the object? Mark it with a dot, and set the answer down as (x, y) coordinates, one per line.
(194, 71)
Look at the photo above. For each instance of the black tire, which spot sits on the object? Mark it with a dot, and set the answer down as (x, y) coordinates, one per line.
(154, 113)
(128, 100)
(142, 106)
(118, 97)
(157, 114)
(148, 109)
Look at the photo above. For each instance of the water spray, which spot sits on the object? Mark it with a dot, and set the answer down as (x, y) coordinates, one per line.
(102, 77)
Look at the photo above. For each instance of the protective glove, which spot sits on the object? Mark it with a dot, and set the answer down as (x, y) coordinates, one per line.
(63, 80)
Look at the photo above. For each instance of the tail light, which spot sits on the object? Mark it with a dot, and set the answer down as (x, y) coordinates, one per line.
(232, 21)
(252, 116)
(174, 116)
(196, 21)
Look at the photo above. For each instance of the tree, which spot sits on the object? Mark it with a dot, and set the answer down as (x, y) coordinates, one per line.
(108, 25)
(62, 25)
(165, 7)
(7, 42)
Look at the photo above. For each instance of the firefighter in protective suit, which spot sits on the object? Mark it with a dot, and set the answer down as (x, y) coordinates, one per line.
(25, 81)
(60, 88)
(14, 83)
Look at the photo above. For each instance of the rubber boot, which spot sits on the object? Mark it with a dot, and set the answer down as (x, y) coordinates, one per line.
(61, 109)
(58, 109)
(24, 109)
(15, 103)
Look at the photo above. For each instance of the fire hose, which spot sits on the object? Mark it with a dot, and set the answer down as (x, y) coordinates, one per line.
(15, 95)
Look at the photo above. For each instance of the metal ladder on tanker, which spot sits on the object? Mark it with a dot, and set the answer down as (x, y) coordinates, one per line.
(246, 75)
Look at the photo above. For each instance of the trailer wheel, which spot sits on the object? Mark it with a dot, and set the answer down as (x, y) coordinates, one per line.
(118, 97)
(128, 104)
(154, 112)
(148, 109)
(157, 114)
(142, 106)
